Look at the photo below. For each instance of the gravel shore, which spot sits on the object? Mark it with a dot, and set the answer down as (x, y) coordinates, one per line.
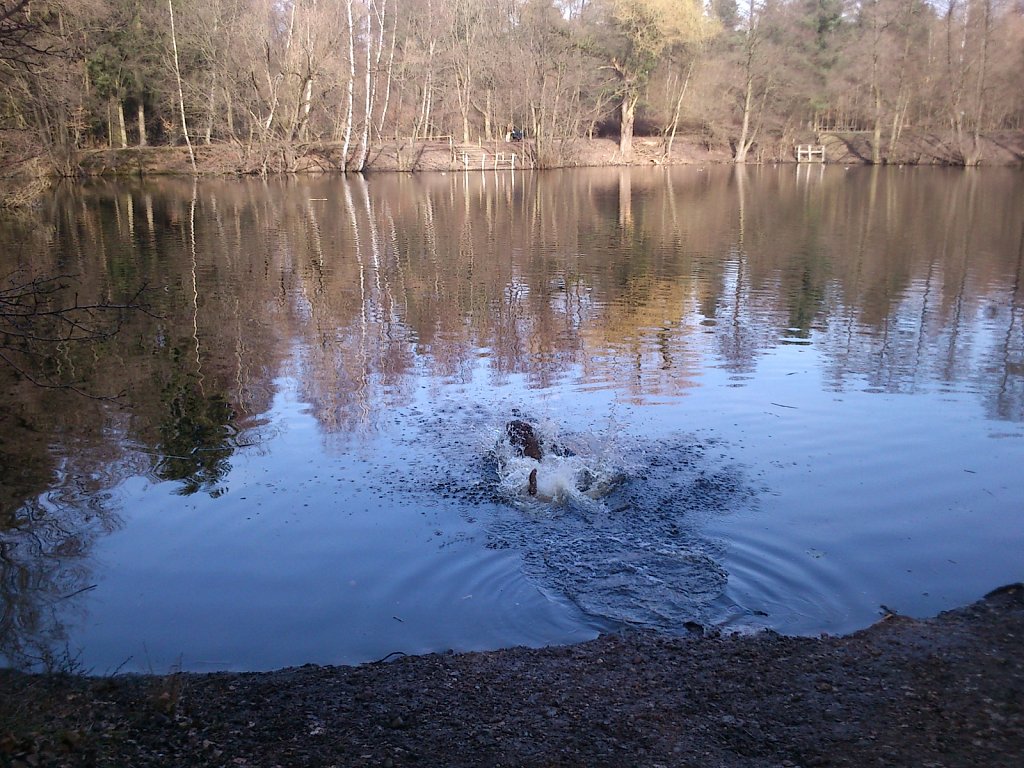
(945, 691)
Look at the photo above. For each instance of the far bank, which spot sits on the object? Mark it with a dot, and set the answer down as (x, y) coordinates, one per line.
(446, 154)
(24, 178)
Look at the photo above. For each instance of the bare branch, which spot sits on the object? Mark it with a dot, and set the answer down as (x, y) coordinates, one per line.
(39, 321)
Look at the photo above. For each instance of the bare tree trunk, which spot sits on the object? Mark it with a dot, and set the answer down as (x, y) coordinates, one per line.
(211, 108)
(304, 103)
(303, 106)
(902, 98)
(230, 113)
(876, 87)
(349, 90)
(423, 122)
(751, 41)
(975, 155)
(387, 85)
(488, 121)
(955, 61)
(181, 94)
(876, 130)
(677, 111)
(364, 143)
(627, 112)
(122, 131)
(141, 115)
(274, 81)
(744, 142)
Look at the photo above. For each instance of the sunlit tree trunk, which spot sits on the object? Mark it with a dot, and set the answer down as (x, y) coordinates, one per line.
(304, 100)
(627, 118)
(211, 109)
(744, 142)
(122, 130)
(229, 116)
(141, 114)
(387, 81)
(349, 88)
(678, 109)
(750, 45)
(426, 102)
(181, 94)
(364, 141)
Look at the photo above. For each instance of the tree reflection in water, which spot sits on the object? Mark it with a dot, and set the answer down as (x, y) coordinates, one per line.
(630, 280)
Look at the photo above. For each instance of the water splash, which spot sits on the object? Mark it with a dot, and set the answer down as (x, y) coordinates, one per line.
(572, 471)
(616, 525)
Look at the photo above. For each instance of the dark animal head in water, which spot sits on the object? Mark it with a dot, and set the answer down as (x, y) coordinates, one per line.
(523, 437)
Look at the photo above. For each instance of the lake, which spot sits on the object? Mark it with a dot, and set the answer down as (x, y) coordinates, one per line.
(250, 424)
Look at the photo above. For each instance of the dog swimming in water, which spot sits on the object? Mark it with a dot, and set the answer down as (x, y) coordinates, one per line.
(523, 437)
(568, 477)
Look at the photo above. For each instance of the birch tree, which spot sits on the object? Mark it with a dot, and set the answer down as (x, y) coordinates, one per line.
(181, 94)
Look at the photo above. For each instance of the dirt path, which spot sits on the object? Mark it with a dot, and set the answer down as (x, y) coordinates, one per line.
(947, 691)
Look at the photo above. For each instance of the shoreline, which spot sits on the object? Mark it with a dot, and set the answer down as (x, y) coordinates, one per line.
(26, 178)
(947, 690)
(448, 155)
(1001, 149)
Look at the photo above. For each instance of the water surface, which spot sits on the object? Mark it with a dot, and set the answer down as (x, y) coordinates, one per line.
(769, 397)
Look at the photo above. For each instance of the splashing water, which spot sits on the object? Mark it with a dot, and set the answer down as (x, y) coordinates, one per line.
(572, 471)
(616, 525)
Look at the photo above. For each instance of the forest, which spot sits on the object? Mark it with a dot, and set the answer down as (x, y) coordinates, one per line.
(264, 74)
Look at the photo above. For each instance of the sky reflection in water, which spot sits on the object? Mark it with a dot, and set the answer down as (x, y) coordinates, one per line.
(814, 379)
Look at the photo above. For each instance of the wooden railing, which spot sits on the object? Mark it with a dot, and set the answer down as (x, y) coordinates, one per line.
(810, 153)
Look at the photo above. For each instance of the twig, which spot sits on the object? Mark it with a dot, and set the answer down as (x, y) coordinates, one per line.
(76, 592)
(385, 658)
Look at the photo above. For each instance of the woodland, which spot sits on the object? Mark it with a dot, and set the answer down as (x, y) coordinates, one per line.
(260, 74)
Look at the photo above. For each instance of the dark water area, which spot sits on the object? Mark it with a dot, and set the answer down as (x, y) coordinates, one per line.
(250, 424)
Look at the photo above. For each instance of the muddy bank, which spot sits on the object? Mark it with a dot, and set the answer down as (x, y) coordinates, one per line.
(946, 691)
(391, 156)
(447, 155)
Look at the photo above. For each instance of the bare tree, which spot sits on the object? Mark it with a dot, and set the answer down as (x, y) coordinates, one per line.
(755, 87)
(644, 30)
(181, 94)
(41, 319)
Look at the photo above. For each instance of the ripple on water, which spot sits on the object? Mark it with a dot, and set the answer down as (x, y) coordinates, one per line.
(617, 524)
(796, 595)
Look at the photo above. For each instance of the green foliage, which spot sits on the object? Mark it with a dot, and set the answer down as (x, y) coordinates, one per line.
(125, 56)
